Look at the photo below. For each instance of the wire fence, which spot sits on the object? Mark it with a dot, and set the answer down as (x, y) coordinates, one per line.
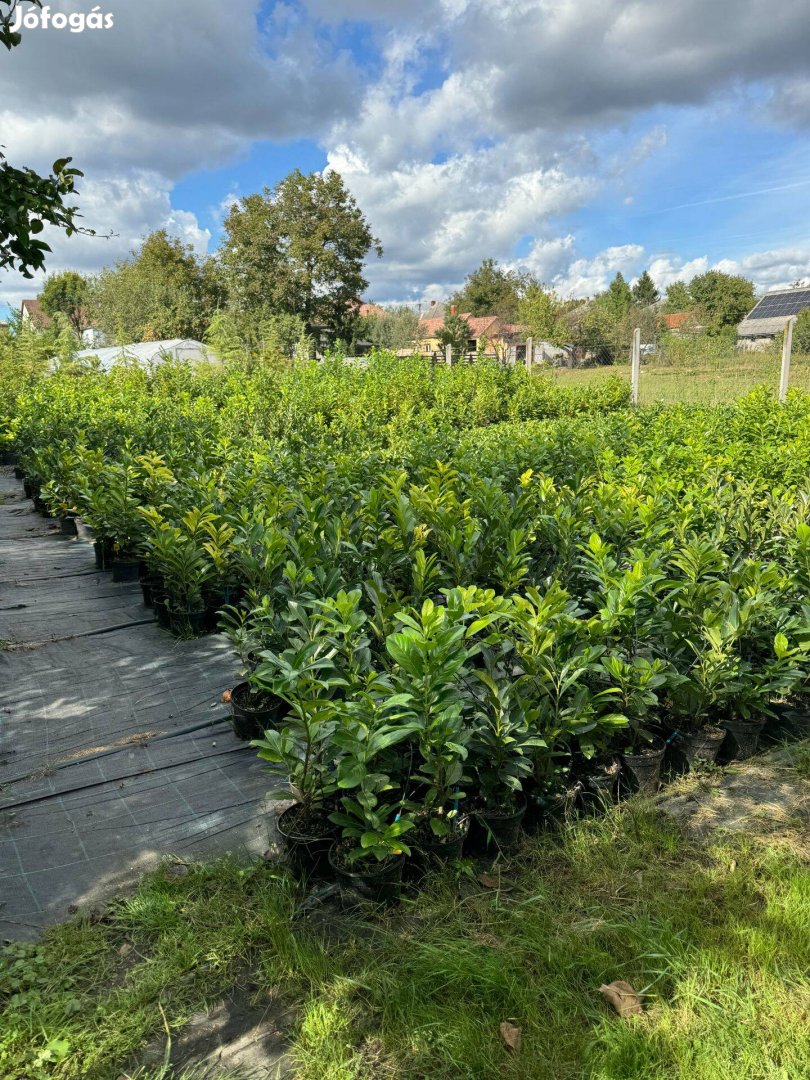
(693, 368)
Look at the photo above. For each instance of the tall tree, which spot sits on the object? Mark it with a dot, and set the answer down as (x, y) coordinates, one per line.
(724, 299)
(66, 293)
(490, 290)
(678, 298)
(394, 328)
(618, 297)
(298, 249)
(541, 311)
(645, 291)
(163, 291)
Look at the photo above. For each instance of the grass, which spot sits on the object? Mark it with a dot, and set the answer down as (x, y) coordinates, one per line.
(715, 933)
(702, 382)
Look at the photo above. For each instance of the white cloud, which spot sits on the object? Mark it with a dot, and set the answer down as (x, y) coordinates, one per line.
(586, 277)
(131, 208)
(774, 269)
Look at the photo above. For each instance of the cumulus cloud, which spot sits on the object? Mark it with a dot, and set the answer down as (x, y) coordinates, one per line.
(470, 130)
(128, 207)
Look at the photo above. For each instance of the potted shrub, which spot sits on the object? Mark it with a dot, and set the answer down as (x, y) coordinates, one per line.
(370, 853)
(634, 689)
(253, 708)
(429, 655)
(502, 753)
(303, 745)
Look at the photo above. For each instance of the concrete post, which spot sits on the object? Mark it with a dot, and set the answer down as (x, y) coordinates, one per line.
(635, 366)
(529, 354)
(787, 349)
(448, 355)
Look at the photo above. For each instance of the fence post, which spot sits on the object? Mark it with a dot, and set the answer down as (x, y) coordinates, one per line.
(448, 355)
(529, 354)
(787, 349)
(635, 366)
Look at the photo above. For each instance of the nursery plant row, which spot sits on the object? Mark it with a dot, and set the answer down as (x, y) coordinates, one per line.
(442, 624)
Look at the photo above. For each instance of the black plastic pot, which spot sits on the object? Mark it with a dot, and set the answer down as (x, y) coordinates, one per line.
(68, 524)
(149, 588)
(18, 473)
(433, 849)
(28, 488)
(307, 845)
(742, 739)
(183, 623)
(702, 745)
(643, 770)
(161, 612)
(41, 506)
(126, 570)
(380, 882)
(495, 831)
(601, 786)
(253, 714)
(8, 457)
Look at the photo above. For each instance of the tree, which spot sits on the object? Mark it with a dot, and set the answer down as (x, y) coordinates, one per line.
(66, 293)
(724, 299)
(394, 328)
(543, 315)
(162, 291)
(490, 290)
(678, 298)
(298, 249)
(29, 202)
(618, 297)
(455, 332)
(645, 291)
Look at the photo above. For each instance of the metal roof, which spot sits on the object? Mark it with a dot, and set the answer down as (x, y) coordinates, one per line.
(149, 353)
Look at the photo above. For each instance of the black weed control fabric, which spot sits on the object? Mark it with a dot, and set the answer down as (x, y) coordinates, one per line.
(115, 747)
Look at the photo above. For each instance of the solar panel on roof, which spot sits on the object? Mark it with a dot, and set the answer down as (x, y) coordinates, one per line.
(781, 304)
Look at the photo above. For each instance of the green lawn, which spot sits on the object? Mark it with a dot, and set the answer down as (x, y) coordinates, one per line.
(716, 934)
(703, 383)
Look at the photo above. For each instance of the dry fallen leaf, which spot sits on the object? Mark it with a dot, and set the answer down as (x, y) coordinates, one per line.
(226, 696)
(622, 997)
(489, 881)
(512, 1036)
(125, 949)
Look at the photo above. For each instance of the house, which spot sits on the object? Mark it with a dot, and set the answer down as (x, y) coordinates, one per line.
(33, 317)
(488, 335)
(770, 315)
(147, 354)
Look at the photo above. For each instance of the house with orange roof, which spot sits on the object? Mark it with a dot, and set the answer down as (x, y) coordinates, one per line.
(488, 335)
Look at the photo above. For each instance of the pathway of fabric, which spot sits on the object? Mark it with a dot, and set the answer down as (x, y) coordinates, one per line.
(115, 747)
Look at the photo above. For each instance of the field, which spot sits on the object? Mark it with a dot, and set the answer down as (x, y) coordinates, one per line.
(705, 381)
(461, 601)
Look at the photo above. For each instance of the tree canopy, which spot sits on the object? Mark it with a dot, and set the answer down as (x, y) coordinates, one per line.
(393, 328)
(491, 290)
(543, 314)
(163, 291)
(455, 332)
(66, 293)
(645, 290)
(724, 299)
(299, 249)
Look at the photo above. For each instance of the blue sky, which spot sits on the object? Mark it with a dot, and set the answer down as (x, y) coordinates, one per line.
(573, 139)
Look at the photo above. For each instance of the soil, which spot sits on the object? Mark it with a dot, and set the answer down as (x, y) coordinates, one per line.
(243, 1034)
(769, 793)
